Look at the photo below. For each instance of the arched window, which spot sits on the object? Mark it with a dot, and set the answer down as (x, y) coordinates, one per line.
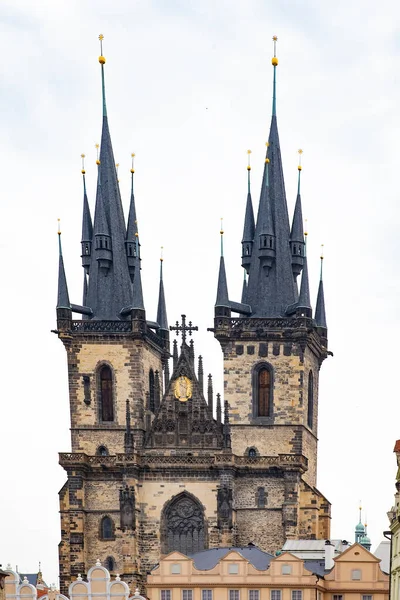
(102, 451)
(106, 394)
(310, 408)
(109, 563)
(263, 385)
(252, 453)
(106, 528)
(261, 497)
(151, 390)
(183, 526)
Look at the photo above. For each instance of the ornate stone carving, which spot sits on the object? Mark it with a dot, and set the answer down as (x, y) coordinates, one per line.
(184, 527)
(127, 507)
(224, 507)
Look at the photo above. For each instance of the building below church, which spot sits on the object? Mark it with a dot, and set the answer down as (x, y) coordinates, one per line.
(158, 462)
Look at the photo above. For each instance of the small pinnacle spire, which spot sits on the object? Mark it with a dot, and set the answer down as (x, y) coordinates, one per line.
(128, 432)
(219, 409)
(162, 319)
(210, 398)
(244, 288)
(137, 292)
(200, 373)
(249, 224)
(320, 315)
(299, 168)
(304, 295)
(227, 431)
(63, 296)
(85, 286)
(87, 225)
(274, 64)
(222, 288)
(175, 353)
(166, 374)
(102, 61)
(157, 391)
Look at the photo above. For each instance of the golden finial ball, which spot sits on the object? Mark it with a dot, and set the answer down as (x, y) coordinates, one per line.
(248, 167)
(274, 61)
(299, 168)
(267, 161)
(136, 234)
(132, 170)
(83, 171)
(275, 38)
(102, 60)
(97, 162)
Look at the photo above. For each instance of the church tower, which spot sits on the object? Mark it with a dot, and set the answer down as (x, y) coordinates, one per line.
(273, 351)
(157, 464)
(116, 363)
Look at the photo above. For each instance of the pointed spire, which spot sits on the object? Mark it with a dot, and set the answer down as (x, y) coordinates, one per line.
(219, 409)
(87, 226)
(200, 374)
(244, 287)
(62, 296)
(166, 374)
(137, 292)
(132, 234)
(249, 224)
(210, 399)
(270, 286)
(297, 246)
(320, 316)
(274, 64)
(174, 354)
(85, 285)
(109, 289)
(222, 289)
(191, 352)
(162, 309)
(304, 304)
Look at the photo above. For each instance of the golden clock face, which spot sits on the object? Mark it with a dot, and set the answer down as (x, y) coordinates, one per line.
(183, 388)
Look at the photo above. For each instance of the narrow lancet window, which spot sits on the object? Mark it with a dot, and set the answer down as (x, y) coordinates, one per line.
(264, 392)
(151, 390)
(106, 394)
(106, 528)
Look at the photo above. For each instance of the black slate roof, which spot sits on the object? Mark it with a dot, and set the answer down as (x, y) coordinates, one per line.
(207, 559)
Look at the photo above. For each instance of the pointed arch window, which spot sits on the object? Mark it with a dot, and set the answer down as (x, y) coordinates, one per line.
(261, 497)
(110, 563)
(106, 394)
(310, 407)
(263, 383)
(107, 528)
(151, 390)
(183, 526)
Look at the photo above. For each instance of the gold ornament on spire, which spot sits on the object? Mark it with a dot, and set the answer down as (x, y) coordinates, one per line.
(300, 153)
(248, 160)
(274, 58)
(266, 158)
(97, 146)
(133, 156)
(59, 227)
(322, 258)
(116, 168)
(162, 254)
(83, 164)
(222, 229)
(102, 60)
(305, 228)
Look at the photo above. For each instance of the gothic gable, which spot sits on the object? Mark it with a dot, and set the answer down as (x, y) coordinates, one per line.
(184, 419)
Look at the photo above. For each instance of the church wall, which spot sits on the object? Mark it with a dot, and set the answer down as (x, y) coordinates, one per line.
(262, 527)
(131, 361)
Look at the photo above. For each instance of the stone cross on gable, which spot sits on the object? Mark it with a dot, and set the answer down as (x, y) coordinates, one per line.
(183, 328)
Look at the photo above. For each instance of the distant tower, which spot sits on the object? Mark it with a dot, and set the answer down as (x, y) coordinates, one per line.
(115, 357)
(359, 530)
(272, 358)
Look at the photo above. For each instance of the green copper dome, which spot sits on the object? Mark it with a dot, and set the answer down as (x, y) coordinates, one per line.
(360, 528)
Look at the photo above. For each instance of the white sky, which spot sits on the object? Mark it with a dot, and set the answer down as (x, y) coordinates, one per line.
(189, 89)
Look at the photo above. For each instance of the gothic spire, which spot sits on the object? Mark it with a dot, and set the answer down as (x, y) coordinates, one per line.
(222, 289)
(210, 399)
(249, 225)
(219, 409)
(304, 303)
(132, 233)
(62, 296)
(320, 316)
(227, 430)
(162, 309)
(297, 246)
(87, 226)
(128, 439)
(271, 287)
(109, 289)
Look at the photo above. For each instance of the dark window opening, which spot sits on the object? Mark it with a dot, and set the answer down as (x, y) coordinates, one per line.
(110, 563)
(106, 394)
(151, 390)
(102, 451)
(252, 453)
(264, 391)
(261, 497)
(107, 528)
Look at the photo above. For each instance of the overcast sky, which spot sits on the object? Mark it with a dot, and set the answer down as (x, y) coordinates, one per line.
(189, 87)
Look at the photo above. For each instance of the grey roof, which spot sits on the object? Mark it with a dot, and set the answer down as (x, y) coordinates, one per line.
(316, 566)
(31, 577)
(264, 218)
(244, 289)
(222, 289)
(162, 309)
(137, 292)
(249, 225)
(132, 227)
(62, 295)
(269, 296)
(207, 559)
(297, 232)
(320, 316)
(304, 295)
(109, 292)
(87, 226)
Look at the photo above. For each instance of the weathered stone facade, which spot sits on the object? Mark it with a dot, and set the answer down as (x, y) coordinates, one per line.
(181, 451)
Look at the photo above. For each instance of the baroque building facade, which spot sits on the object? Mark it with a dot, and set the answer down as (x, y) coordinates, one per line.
(157, 463)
